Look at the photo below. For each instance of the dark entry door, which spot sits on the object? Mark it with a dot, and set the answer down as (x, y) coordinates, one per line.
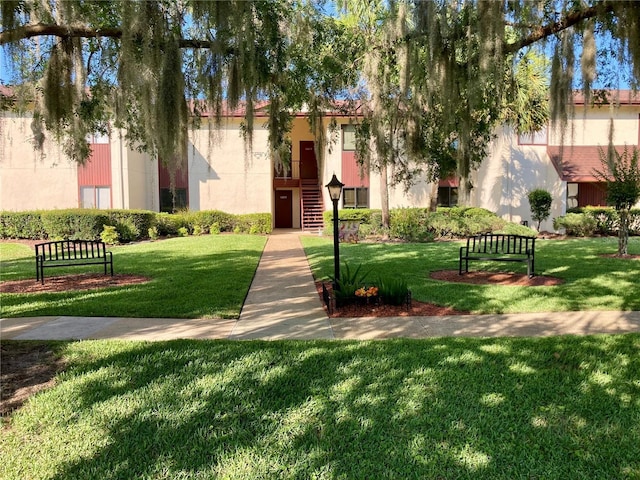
(284, 209)
(308, 163)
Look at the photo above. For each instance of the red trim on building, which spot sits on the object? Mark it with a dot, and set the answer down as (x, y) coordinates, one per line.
(351, 176)
(97, 170)
(449, 182)
(577, 163)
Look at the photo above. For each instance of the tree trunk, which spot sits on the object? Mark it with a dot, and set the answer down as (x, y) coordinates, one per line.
(384, 196)
(433, 196)
(464, 191)
(623, 232)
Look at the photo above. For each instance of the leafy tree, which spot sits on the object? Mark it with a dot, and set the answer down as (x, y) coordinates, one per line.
(621, 172)
(540, 203)
(141, 65)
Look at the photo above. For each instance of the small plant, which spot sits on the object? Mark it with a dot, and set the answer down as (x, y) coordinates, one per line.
(153, 233)
(214, 228)
(393, 291)
(127, 231)
(540, 203)
(350, 281)
(198, 230)
(183, 232)
(109, 235)
(365, 292)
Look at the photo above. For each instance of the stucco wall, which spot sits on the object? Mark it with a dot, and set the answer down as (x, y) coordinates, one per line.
(140, 173)
(510, 172)
(593, 129)
(223, 176)
(29, 179)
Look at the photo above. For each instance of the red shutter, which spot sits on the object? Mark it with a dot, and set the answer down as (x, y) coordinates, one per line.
(351, 171)
(97, 170)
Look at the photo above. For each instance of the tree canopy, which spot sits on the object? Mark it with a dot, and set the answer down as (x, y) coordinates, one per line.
(152, 67)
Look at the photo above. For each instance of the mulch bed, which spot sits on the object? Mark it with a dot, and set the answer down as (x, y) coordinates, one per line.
(65, 283)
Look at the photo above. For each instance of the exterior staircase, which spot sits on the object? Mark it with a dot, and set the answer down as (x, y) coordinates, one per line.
(312, 206)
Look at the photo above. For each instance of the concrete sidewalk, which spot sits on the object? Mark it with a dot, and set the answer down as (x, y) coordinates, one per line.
(282, 303)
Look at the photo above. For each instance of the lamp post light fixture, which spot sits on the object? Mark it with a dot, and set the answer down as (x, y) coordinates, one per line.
(335, 190)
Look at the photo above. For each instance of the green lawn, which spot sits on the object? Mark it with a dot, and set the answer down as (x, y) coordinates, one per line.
(591, 281)
(564, 407)
(209, 276)
(191, 277)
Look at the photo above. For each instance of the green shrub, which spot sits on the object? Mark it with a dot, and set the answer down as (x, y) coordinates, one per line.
(22, 225)
(540, 204)
(183, 232)
(127, 231)
(206, 218)
(511, 228)
(475, 225)
(198, 230)
(252, 223)
(75, 224)
(153, 233)
(168, 223)
(134, 223)
(365, 216)
(607, 219)
(109, 235)
(409, 224)
(214, 228)
(577, 224)
(475, 212)
(442, 225)
(393, 291)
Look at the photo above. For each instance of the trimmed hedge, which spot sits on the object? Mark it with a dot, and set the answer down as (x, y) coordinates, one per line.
(130, 225)
(74, 224)
(607, 220)
(420, 225)
(22, 225)
(577, 224)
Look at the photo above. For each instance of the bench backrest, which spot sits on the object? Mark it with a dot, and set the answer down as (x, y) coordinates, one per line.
(71, 250)
(501, 244)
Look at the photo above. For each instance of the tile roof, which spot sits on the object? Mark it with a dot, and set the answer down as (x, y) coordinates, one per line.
(577, 163)
(604, 97)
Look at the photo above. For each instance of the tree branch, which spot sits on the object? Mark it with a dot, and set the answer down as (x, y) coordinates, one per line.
(63, 31)
(572, 18)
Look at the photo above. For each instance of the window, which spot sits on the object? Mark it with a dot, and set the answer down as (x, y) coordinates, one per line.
(447, 196)
(348, 138)
(95, 197)
(534, 138)
(170, 203)
(355, 197)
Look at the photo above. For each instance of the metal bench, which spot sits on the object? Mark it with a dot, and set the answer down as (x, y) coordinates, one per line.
(68, 253)
(499, 248)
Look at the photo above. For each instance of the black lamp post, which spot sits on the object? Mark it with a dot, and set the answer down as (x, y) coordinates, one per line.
(335, 190)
